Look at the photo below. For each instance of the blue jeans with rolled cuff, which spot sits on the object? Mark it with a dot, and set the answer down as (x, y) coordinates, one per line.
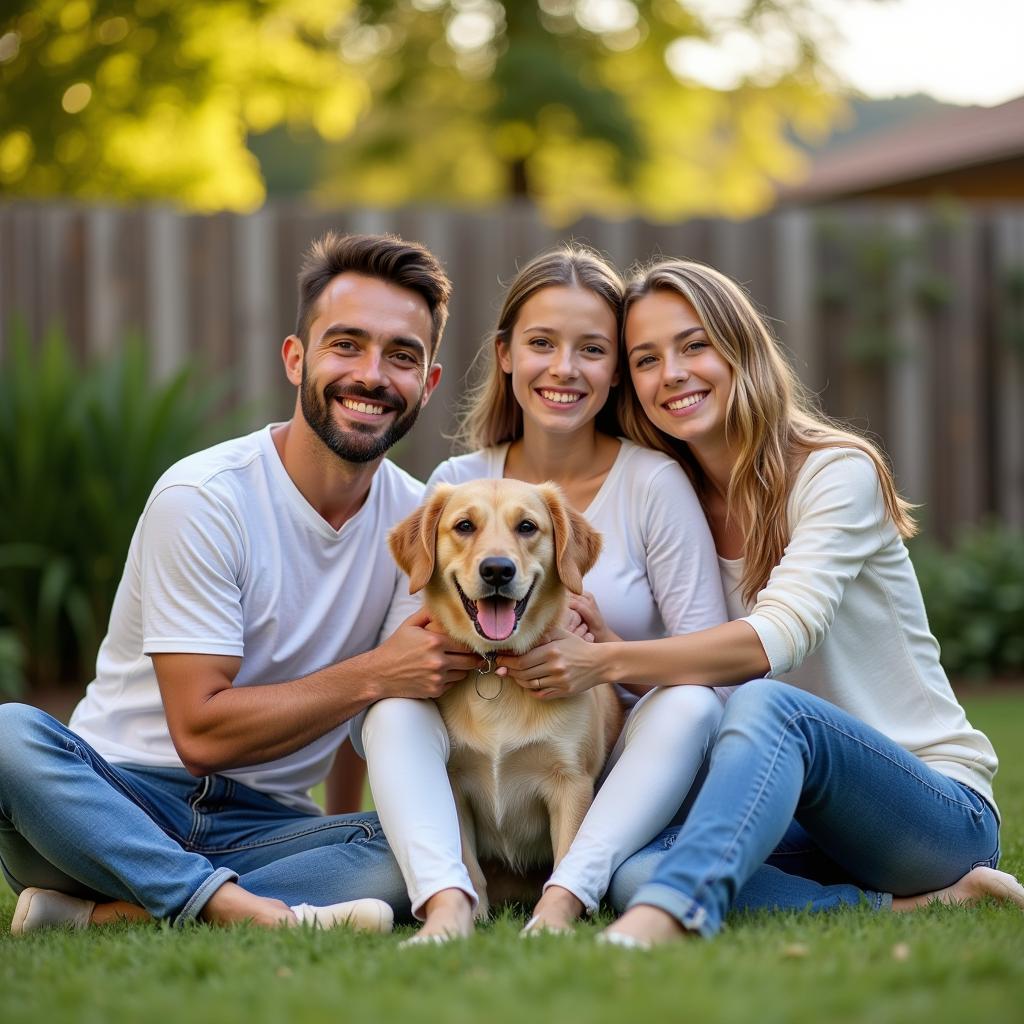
(806, 807)
(164, 840)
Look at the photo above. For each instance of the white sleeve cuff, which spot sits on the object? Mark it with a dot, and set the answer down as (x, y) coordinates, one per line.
(777, 645)
(160, 645)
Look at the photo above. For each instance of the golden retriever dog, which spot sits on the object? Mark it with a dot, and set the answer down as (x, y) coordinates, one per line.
(496, 560)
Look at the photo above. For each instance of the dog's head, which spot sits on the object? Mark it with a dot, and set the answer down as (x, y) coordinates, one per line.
(496, 558)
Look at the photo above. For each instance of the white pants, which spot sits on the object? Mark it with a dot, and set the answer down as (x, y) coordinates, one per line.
(663, 744)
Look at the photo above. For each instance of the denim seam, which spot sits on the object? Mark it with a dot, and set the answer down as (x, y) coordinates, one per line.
(364, 825)
(197, 816)
(990, 862)
(962, 804)
(115, 780)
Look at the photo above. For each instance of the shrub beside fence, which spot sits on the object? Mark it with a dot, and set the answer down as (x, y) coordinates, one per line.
(81, 445)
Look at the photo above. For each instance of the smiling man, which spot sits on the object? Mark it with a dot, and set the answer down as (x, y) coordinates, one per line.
(245, 633)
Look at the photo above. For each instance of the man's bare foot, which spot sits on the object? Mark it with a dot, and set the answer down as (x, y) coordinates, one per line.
(556, 911)
(972, 888)
(643, 926)
(448, 915)
(117, 911)
(231, 903)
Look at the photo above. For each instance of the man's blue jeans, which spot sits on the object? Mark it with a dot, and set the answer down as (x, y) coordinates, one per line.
(161, 839)
(805, 806)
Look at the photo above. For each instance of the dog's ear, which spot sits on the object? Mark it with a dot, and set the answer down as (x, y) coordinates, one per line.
(577, 543)
(414, 540)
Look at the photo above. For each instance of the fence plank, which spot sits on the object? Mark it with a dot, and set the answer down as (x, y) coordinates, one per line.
(794, 306)
(962, 370)
(101, 286)
(1009, 467)
(908, 440)
(166, 320)
(255, 310)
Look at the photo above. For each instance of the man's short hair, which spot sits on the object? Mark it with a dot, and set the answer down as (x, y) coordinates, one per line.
(386, 257)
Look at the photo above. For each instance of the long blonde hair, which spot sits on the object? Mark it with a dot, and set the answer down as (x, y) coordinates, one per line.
(491, 414)
(771, 418)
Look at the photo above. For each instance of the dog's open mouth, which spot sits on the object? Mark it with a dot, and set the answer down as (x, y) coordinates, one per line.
(494, 617)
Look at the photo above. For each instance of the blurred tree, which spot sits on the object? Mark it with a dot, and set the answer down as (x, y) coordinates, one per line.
(663, 106)
(155, 98)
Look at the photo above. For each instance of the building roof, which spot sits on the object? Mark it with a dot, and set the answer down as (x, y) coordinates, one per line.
(947, 141)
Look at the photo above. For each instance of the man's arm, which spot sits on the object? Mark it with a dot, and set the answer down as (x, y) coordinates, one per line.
(216, 726)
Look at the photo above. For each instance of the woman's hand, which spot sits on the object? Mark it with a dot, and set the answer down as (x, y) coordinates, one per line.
(586, 608)
(572, 622)
(564, 666)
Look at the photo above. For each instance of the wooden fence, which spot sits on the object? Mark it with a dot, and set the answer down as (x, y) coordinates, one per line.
(907, 320)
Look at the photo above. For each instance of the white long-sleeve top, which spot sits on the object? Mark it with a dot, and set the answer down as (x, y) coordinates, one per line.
(842, 617)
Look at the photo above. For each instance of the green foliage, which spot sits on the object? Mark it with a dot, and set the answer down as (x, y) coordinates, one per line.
(974, 595)
(943, 965)
(135, 99)
(80, 449)
(608, 106)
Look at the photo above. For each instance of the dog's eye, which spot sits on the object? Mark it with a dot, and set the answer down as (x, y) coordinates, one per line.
(526, 528)
(464, 526)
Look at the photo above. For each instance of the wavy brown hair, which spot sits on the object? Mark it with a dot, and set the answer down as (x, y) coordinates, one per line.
(771, 418)
(491, 415)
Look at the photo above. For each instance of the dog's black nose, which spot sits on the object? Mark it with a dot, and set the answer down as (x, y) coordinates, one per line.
(497, 571)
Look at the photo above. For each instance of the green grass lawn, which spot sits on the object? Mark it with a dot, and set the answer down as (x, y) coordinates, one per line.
(940, 964)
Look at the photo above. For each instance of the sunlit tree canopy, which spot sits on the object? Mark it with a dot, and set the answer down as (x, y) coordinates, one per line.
(155, 98)
(666, 107)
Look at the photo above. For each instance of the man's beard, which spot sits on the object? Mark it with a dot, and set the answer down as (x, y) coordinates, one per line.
(361, 442)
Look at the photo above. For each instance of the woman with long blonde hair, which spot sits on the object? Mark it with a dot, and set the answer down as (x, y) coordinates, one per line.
(545, 410)
(852, 771)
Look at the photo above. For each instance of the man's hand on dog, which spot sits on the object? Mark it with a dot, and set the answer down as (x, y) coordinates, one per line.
(563, 666)
(420, 660)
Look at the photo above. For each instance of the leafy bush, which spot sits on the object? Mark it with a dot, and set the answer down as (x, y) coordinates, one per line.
(80, 448)
(974, 594)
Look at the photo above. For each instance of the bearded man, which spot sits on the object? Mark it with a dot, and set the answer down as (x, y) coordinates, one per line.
(245, 633)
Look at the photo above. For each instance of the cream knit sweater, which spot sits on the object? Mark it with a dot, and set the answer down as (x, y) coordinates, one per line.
(842, 617)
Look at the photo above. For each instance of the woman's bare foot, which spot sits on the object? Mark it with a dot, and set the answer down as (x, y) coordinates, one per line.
(117, 911)
(448, 914)
(556, 911)
(972, 888)
(231, 903)
(643, 926)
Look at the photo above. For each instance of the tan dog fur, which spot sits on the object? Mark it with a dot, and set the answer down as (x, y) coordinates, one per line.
(522, 770)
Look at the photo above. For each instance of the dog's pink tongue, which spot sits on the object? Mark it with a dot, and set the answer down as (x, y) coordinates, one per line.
(497, 617)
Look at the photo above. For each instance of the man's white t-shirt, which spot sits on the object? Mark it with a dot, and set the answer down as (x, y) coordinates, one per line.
(229, 558)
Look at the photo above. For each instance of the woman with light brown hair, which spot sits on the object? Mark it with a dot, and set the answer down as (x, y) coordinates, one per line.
(852, 770)
(545, 410)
